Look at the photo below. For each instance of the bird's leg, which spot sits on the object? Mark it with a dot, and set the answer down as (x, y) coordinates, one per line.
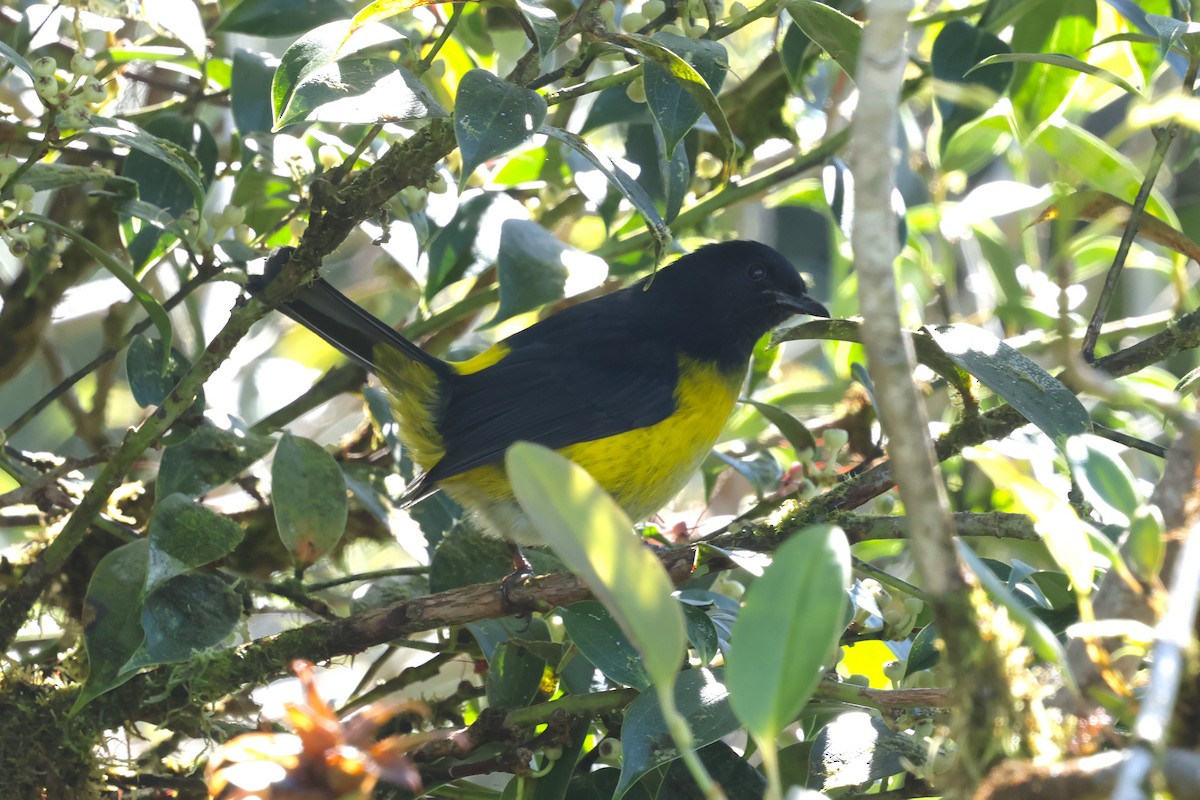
(522, 569)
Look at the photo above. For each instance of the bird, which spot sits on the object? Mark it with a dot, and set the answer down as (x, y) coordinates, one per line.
(634, 386)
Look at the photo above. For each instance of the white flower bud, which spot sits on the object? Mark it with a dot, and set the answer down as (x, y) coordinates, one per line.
(46, 87)
(8, 165)
(23, 193)
(329, 156)
(708, 166)
(233, 215)
(653, 9)
(93, 92)
(632, 23)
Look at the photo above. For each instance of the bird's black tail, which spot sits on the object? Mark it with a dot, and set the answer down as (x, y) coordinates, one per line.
(339, 320)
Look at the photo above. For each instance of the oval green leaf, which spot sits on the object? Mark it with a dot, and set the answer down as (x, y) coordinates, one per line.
(309, 496)
(834, 32)
(700, 696)
(491, 117)
(601, 641)
(112, 615)
(185, 535)
(788, 627)
(594, 538)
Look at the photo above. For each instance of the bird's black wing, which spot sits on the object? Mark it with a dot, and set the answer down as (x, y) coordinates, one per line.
(556, 390)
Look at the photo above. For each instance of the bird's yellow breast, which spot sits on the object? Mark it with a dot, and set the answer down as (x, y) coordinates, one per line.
(642, 468)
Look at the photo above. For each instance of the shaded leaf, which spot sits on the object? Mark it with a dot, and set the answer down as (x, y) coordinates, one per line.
(602, 642)
(692, 82)
(208, 458)
(858, 749)
(187, 614)
(629, 187)
(514, 675)
(958, 49)
(1037, 395)
(733, 773)
(673, 109)
(701, 697)
(185, 535)
(281, 17)
(183, 163)
(112, 626)
(152, 373)
(534, 269)
(491, 117)
(832, 31)
(1106, 483)
(250, 91)
(308, 493)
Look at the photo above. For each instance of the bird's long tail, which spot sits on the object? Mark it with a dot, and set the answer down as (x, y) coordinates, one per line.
(339, 320)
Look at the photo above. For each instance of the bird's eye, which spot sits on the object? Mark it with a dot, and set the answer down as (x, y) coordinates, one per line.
(756, 272)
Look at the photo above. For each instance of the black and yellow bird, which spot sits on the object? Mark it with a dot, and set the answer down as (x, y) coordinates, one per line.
(634, 386)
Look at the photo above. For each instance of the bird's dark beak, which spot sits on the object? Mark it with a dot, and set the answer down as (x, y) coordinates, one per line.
(802, 304)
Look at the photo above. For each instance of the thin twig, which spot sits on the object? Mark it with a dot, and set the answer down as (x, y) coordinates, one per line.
(1164, 137)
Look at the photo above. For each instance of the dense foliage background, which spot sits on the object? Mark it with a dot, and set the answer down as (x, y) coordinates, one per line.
(194, 492)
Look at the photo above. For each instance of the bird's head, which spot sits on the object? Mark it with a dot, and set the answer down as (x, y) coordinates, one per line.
(724, 296)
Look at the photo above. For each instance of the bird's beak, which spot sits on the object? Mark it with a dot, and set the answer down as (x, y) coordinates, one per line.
(802, 304)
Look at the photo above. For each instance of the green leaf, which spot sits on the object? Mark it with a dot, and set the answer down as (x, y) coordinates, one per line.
(1065, 28)
(167, 191)
(207, 459)
(282, 17)
(187, 614)
(1035, 393)
(185, 535)
(592, 535)
(534, 269)
(859, 749)
(119, 270)
(491, 117)
(674, 110)
(250, 94)
(112, 629)
(315, 52)
(701, 697)
(452, 249)
(309, 496)
(43, 176)
(957, 50)
(602, 642)
(789, 625)
(1057, 60)
(359, 91)
(924, 653)
(628, 187)
(733, 773)
(542, 22)
(1040, 637)
(834, 32)
(514, 675)
(670, 114)
(181, 18)
(182, 162)
(798, 436)
(152, 373)
(701, 633)
(1105, 481)
(16, 59)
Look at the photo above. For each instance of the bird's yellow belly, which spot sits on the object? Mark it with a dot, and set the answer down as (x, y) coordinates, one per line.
(642, 469)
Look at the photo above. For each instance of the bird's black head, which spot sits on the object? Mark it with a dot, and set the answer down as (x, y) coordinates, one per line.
(720, 299)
